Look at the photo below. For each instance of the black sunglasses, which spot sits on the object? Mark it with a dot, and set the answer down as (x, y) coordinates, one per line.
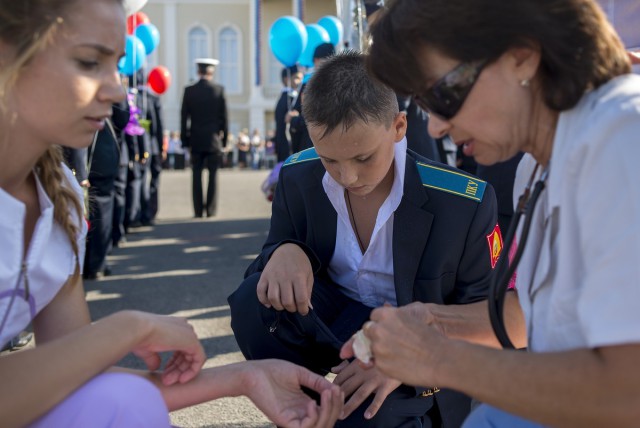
(445, 97)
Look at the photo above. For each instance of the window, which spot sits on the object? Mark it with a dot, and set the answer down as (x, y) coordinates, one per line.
(228, 72)
(198, 48)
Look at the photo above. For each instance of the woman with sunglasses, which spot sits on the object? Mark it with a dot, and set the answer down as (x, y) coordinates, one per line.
(58, 81)
(550, 78)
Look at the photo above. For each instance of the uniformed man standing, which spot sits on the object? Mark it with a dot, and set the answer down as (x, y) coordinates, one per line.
(203, 128)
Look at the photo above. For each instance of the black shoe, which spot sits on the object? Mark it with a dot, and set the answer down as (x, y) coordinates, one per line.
(120, 242)
(97, 275)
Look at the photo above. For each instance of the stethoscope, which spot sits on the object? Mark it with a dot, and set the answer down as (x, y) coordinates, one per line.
(498, 288)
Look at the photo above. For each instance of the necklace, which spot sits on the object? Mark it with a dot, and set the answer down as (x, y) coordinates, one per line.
(353, 221)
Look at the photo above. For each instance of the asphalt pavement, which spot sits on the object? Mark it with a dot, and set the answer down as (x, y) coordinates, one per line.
(187, 267)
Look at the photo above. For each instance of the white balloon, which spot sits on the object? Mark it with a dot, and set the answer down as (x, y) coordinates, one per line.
(132, 6)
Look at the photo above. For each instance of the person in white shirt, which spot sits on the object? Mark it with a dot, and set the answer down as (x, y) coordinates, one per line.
(58, 81)
(550, 78)
(358, 222)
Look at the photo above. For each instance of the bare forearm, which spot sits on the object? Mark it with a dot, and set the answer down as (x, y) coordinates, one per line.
(580, 388)
(35, 380)
(210, 384)
(471, 322)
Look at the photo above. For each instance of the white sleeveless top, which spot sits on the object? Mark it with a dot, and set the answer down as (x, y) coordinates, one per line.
(48, 263)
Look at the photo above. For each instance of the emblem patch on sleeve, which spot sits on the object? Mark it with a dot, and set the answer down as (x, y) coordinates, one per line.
(495, 245)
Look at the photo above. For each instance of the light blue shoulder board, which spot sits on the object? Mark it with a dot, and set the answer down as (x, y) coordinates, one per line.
(303, 156)
(451, 182)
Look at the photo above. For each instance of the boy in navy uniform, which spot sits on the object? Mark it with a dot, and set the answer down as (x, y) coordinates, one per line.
(359, 221)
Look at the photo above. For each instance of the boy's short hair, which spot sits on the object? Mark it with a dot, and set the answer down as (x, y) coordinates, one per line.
(341, 92)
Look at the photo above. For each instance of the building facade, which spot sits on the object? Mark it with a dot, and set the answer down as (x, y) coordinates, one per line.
(237, 33)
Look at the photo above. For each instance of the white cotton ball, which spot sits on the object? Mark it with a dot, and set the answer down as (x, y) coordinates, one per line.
(362, 347)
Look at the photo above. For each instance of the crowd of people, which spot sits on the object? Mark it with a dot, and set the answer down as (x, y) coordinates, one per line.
(375, 247)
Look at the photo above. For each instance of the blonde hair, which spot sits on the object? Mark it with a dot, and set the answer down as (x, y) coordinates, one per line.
(62, 195)
(29, 26)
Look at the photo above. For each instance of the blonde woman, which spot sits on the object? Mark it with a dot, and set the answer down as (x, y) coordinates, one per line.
(58, 80)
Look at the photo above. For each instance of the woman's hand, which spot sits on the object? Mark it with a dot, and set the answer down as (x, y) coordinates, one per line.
(166, 333)
(400, 337)
(274, 387)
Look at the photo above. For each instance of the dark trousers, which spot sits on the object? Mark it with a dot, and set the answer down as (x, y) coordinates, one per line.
(199, 161)
(101, 199)
(154, 185)
(314, 341)
(119, 205)
(132, 195)
(145, 192)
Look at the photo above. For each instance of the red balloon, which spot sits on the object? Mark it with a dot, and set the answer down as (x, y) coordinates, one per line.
(136, 19)
(159, 79)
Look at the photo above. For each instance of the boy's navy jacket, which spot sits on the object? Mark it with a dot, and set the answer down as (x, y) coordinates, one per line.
(442, 242)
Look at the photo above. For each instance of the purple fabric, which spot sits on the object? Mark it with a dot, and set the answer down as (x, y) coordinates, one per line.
(110, 400)
(23, 294)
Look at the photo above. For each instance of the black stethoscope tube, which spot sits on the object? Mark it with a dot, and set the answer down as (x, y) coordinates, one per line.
(498, 287)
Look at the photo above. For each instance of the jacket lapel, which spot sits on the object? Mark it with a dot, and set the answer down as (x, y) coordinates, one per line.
(411, 227)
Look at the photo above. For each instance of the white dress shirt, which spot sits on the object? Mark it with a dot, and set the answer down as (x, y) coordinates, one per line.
(368, 277)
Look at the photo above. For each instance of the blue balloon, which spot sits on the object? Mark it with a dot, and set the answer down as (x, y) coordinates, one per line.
(287, 39)
(134, 55)
(316, 36)
(334, 27)
(149, 36)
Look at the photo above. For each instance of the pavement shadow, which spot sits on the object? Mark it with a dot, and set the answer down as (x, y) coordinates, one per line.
(184, 268)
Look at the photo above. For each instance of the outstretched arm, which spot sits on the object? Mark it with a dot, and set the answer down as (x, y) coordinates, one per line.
(72, 351)
(471, 322)
(274, 386)
(582, 387)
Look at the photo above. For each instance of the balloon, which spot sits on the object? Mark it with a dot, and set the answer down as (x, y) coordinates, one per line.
(149, 36)
(134, 56)
(131, 6)
(316, 36)
(287, 39)
(159, 79)
(136, 19)
(334, 27)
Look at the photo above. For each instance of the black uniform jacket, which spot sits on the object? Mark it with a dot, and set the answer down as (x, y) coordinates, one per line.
(204, 117)
(442, 242)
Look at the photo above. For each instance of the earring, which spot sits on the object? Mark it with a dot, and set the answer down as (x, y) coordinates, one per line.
(524, 83)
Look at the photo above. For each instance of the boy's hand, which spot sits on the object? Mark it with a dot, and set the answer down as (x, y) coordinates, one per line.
(287, 280)
(290, 115)
(359, 383)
